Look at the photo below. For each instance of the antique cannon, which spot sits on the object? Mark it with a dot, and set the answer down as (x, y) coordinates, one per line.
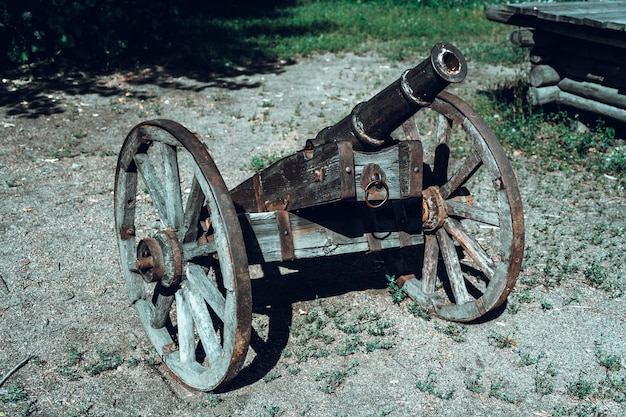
(187, 243)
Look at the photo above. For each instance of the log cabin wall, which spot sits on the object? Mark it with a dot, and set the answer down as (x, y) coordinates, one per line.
(578, 52)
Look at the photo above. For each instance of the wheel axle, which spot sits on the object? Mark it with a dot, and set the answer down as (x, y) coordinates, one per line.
(160, 259)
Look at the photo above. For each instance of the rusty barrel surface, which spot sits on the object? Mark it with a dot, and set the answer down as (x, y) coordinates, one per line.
(369, 125)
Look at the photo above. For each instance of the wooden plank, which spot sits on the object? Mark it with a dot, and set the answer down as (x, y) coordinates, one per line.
(539, 96)
(158, 337)
(464, 171)
(578, 13)
(312, 239)
(388, 161)
(592, 106)
(522, 38)
(465, 211)
(162, 308)
(304, 179)
(600, 22)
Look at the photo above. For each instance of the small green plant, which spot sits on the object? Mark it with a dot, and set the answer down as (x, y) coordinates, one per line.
(350, 346)
(378, 344)
(14, 394)
(613, 388)
(524, 297)
(501, 341)
(497, 389)
(271, 411)
(397, 295)
(420, 311)
(210, 401)
(294, 370)
(526, 359)
(271, 376)
(69, 367)
(106, 361)
(608, 361)
(582, 388)
(258, 162)
(474, 383)
(545, 381)
(428, 385)
(455, 331)
(579, 410)
(333, 380)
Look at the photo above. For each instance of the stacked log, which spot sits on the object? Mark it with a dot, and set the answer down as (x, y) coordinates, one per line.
(575, 61)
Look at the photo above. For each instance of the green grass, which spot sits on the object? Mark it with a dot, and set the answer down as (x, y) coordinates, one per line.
(395, 29)
(560, 140)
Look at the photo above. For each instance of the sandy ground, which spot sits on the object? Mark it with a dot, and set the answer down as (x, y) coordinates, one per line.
(557, 349)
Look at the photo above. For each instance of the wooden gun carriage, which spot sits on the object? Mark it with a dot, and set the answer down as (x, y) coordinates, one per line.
(445, 194)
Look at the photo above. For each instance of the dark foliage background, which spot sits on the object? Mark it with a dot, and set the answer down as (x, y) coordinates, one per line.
(112, 34)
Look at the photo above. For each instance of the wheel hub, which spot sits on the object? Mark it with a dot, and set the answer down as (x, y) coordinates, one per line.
(433, 209)
(160, 259)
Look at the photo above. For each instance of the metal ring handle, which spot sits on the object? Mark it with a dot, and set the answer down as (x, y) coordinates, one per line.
(379, 185)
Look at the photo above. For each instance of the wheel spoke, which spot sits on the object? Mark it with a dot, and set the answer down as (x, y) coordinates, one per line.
(471, 247)
(195, 202)
(154, 185)
(465, 211)
(461, 175)
(192, 251)
(204, 325)
(199, 283)
(431, 259)
(186, 339)
(171, 182)
(453, 268)
(162, 306)
(442, 151)
(410, 129)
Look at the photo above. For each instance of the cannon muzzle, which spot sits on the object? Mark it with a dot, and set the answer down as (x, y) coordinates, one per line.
(370, 124)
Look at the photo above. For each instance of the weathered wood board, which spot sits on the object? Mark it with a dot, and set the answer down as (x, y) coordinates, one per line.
(578, 55)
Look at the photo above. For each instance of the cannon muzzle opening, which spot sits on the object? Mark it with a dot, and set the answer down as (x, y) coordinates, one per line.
(449, 63)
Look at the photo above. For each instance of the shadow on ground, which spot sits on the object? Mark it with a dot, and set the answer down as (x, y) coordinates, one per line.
(145, 42)
(310, 279)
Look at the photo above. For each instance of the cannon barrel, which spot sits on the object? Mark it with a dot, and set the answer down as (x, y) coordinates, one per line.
(370, 123)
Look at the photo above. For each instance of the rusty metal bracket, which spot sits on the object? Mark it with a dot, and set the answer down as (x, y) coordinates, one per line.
(279, 203)
(287, 251)
(347, 187)
(410, 158)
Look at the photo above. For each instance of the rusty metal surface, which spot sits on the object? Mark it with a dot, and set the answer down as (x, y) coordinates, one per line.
(370, 123)
(285, 235)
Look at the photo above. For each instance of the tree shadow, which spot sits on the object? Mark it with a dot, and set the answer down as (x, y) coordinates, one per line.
(211, 43)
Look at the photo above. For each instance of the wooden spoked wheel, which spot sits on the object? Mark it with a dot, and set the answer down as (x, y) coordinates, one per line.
(472, 214)
(182, 254)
